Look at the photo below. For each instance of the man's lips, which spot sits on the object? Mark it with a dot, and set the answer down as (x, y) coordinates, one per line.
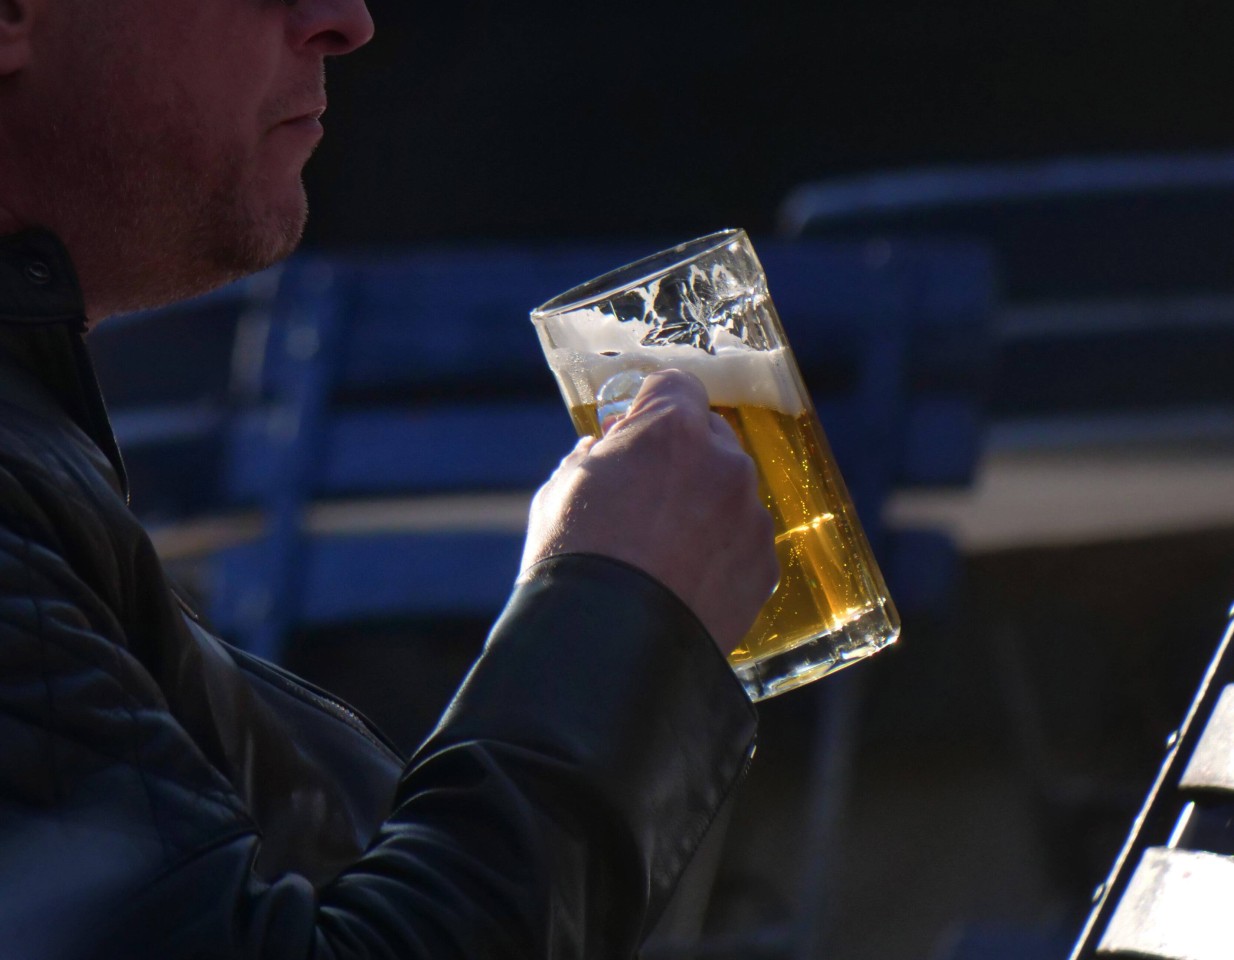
(309, 120)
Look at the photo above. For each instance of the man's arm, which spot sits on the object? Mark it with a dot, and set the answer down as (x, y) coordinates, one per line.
(582, 772)
(548, 815)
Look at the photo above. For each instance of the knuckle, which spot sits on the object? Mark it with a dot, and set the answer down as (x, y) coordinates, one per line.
(678, 387)
(675, 379)
(725, 431)
(747, 470)
(736, 470)
(565, 464)
(685, 415)
(546, 489)
(674, 424)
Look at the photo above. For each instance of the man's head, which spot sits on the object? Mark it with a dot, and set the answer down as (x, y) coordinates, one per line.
(163, 140)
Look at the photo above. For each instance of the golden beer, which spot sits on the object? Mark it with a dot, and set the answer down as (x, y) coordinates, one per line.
(828, 578)
(703, 308)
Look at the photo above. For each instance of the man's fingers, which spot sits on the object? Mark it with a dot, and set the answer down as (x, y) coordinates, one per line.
(663, 391)
(724, 431)
(674, 386)
(715, 551)
(581, 449)
(685, 392)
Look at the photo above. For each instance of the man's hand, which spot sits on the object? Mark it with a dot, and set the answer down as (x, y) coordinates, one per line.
(669, 490)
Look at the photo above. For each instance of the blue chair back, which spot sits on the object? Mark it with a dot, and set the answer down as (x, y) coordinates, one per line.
(1063, 229)
(1117, 276)
(170, 383)
(421, 377)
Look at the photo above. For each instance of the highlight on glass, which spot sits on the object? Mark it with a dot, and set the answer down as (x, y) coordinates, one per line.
(704, 307)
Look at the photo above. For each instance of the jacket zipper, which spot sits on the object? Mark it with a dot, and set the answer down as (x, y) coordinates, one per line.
(319, 699)
(335, 707)
(298, 688)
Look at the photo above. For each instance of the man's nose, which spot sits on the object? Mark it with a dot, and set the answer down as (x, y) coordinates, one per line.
(331, 27)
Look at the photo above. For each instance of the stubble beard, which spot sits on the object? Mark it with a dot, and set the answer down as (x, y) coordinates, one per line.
(198, 230)
(145, 230)
(153, 206)
(224, 237)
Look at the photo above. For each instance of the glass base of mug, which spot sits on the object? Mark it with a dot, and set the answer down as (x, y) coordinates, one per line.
(811, 659)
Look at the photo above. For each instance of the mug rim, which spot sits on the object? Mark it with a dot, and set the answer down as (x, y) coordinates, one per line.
(635, 273)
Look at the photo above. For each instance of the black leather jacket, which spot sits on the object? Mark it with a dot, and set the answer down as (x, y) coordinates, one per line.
(163, 794)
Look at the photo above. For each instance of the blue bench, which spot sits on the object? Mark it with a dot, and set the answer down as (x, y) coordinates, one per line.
(396, 414)
(1117, 275)
(421, 377)
(1064, 229)
(171, 386)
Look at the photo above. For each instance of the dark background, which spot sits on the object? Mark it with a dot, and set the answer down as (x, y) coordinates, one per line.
(999, 753)
(481, 120)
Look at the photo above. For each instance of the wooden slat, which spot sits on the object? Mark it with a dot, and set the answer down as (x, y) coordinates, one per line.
(1212, 764)
(1176, 907)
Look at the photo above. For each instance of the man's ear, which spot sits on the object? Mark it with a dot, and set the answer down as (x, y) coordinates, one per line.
(16, 19)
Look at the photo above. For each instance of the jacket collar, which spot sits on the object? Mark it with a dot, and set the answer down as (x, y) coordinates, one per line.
(38, 284)
(42, 324)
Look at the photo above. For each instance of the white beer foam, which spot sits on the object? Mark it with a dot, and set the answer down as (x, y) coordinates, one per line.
(590, 347)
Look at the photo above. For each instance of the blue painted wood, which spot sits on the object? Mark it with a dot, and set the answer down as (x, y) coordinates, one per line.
(433, 319)
(308, 315)
(1118, 272)
(356, 578)
(478, 447)
(168, 378)
(422, 375)
(1066, 228)
(1008, 942)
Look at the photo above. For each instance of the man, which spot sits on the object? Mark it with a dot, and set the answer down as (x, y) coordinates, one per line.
(164, 795)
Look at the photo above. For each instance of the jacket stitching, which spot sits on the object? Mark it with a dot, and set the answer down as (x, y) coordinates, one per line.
(223, 797)
(135, 742)
(112, 671)
(104, 666)
(52, 762)
(82, 494)
(97, 664)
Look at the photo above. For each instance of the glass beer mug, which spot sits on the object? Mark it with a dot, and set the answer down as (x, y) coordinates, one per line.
(703, 307)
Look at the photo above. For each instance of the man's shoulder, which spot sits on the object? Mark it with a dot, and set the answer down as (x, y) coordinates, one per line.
(59, 496)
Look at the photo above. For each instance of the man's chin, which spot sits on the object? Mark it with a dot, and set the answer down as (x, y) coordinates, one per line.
(262, 243)
(226, 257)
(247, 256)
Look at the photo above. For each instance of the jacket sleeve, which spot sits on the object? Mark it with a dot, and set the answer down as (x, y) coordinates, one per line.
(548, 815)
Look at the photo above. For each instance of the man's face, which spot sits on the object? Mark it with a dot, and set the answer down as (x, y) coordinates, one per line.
(175, 131)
